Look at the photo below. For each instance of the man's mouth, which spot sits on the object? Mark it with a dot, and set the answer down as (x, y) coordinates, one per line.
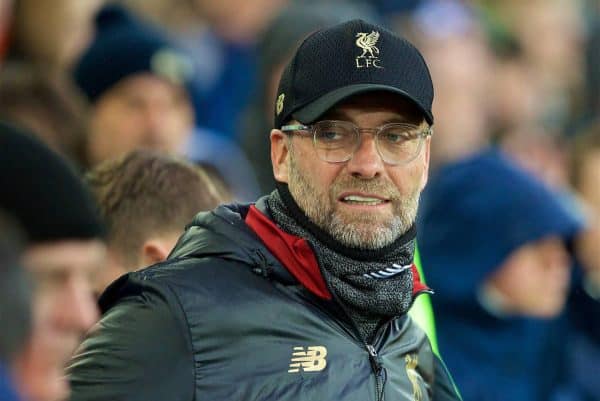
(363, 200)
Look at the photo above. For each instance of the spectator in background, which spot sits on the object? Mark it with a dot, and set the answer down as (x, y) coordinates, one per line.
(48, 105)
(223, 74)
(140, 85)
(146, 200)
(557, 61)
(51, 34)
(64, 252)
(538, 96)
(494, 241)
(455, 45)
(137, 81)
(15, 305)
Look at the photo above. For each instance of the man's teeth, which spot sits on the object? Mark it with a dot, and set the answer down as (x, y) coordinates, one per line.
(362, 200)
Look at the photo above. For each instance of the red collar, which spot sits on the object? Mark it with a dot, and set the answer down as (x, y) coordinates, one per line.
(296, 255)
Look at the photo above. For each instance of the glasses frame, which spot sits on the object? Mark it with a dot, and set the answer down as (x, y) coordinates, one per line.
(311, 130)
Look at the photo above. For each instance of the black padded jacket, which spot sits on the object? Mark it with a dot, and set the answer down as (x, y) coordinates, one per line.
(222, 319)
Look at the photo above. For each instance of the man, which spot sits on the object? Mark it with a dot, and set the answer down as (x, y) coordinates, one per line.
(142, 187)
(137, 82)
(65, 250)
(304, 294)
(495, 243)
(141, 85)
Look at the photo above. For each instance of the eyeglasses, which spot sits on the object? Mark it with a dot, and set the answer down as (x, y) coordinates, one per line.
(336, 141)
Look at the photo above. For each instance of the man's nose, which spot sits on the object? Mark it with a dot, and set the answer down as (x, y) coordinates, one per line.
(366, 161)
(155, 114)
(78, 310)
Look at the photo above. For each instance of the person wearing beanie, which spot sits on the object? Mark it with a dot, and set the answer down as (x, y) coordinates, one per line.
(65, 249)
(138, 83)
(304, 294)
(496, 243)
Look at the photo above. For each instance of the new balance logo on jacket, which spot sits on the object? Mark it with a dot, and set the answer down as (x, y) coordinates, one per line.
(310, 360)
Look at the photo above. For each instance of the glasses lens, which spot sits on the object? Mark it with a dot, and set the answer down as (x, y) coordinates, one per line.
(334, 140)
(399, 142)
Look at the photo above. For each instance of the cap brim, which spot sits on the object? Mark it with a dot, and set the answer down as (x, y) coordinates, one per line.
(315, 109)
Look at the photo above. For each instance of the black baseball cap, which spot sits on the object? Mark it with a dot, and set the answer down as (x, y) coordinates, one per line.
(347, 59)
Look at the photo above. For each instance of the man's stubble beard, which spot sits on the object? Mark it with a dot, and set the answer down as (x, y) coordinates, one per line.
(359, 230)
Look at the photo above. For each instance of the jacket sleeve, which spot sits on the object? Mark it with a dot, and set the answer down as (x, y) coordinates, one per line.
(140, 350)
(444, 388)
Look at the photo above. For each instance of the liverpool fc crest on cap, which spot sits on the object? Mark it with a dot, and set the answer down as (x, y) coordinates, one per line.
(370, 52)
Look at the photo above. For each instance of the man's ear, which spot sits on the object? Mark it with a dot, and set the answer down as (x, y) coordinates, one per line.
(156, 250)
(279, 155)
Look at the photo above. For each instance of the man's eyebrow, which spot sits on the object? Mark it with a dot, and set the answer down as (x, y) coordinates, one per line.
(398, 119)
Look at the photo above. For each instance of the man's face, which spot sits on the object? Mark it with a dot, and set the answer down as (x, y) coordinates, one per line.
(321, 189)
(142, 111)
(63, 309)
(534, 280)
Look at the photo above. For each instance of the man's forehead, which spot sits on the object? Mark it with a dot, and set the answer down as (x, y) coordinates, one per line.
(396, 105)
(142, 81)
(84, 256)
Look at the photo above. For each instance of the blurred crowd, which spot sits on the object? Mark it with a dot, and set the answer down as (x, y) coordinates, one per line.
(122, 119)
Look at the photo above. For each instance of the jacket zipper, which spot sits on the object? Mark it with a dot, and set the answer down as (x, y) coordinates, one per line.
(379, 371)
(375, 361)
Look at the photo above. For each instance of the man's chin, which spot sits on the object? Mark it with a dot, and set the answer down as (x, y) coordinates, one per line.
(364, 234)
(45, 385)
(369, 223)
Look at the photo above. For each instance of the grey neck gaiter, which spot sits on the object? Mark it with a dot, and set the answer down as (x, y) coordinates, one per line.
(371, 285)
